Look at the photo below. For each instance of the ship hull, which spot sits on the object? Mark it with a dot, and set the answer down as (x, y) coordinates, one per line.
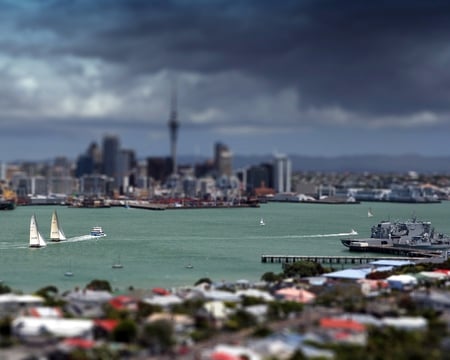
(7, 205)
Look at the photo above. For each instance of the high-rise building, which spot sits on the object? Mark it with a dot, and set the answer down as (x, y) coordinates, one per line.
(282, 173)
(111, 148)
(158, 168)
(257, 177)
(173, 128)
(223, 160)
(126, 163)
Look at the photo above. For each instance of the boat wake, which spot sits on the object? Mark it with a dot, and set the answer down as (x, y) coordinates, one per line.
(10, 246)
(79, 238)
(352, 232)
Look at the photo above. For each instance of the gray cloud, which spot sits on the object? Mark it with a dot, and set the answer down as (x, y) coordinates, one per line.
(241, 67)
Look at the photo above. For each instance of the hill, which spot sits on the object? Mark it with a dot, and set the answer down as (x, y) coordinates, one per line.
(351, 163)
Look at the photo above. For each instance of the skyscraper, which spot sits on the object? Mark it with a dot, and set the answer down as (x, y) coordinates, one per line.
(223, 159)
(111, 148)
(282, 173)
(173, 128)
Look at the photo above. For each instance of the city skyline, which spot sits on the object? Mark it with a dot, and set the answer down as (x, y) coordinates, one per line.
(314, 78)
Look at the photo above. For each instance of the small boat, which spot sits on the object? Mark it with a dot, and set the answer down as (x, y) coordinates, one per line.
(369, 213)
(56, 232)
(97, 231)
(353, 232)
(261, 222)
(117, 264)
(36, 239)
(68, 274)
(189, 266)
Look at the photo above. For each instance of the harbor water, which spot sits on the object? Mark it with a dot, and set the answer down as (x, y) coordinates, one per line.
(156, 247)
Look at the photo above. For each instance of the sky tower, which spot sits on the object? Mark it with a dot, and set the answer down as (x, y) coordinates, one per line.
(173, 128)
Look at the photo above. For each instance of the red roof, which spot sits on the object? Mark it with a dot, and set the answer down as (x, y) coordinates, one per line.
(160, 291)
(342, 324)
(122, 302)
(443, 271)
(79, 343)
(106, 324)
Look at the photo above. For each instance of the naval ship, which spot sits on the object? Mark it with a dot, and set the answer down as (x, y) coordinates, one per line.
(405, 234)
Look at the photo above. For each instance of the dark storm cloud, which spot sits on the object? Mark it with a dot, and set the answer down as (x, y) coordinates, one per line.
(383, 57)
(244, 67)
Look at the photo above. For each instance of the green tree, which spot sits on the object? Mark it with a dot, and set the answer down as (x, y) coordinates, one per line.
(4, 289)
(125, 331)
(241, 319)
(145, 309)
(203, 280)
(271, 277)
(303, 269)
(50, 296)
(158, 336)
(99, 285)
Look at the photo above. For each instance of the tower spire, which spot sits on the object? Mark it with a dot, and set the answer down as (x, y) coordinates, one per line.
(173, 127)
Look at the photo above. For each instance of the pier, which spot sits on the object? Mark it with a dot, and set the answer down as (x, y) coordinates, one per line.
(330, 260)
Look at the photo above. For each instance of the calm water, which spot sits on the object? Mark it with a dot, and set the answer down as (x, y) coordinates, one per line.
(155, 246)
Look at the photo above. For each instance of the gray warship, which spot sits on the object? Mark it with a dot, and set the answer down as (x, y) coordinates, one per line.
(405, 234)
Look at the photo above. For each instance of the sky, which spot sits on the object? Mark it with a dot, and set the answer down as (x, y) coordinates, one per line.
(307, 77)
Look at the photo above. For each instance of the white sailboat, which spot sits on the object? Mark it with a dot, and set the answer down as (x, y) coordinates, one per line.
(369, 213)
(261, 222)
(69, 273)
(56, 232)
(117, 264)
(36, 239)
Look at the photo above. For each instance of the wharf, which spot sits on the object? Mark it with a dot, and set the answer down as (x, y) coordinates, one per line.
(148, 206)
(396, 250)
(160, 206)
(340, 260)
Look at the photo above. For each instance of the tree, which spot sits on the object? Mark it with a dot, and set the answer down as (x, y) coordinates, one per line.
(241, 319)
(99, 285)
(303, 269)
(158, 335)
(4, 289)
(203, 280)
(50, 296)
(125, 331)
(271, 277)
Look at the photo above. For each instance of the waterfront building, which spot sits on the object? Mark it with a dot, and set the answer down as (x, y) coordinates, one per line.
(258, 176)
(38, 185)
(95, 185)
(64, 185)
(189, 184)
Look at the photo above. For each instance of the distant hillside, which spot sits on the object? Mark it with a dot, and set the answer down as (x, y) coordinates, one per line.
(355, 163)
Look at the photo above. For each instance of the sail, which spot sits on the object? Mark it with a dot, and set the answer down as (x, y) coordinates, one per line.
(36, 239)
(56, 232)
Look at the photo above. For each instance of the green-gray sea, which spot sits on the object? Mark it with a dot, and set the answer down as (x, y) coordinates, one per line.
(155, 246)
